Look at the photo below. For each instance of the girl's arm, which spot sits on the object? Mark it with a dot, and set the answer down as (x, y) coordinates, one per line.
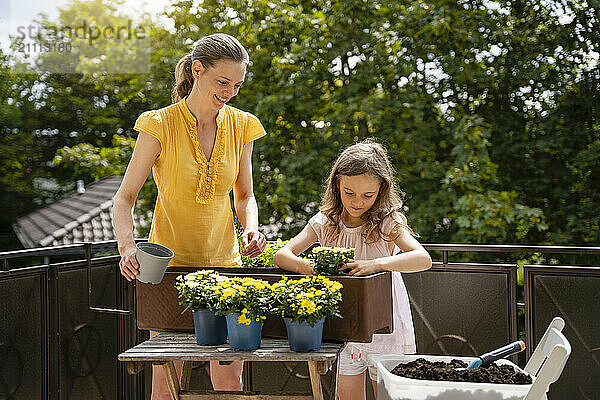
(147, 148)
(287, 257)
(246, 208)
(413, 258)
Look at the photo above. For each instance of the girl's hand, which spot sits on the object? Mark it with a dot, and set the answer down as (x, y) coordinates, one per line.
(128, 264)
(254, 243)
(361, 267)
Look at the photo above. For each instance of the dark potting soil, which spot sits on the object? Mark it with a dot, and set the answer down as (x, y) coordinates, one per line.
(443, 371)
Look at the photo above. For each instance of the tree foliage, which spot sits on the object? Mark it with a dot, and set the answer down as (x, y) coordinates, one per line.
(488, 109)
(470, 98)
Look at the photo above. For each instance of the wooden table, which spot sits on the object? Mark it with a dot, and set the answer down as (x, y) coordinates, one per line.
(168, 347)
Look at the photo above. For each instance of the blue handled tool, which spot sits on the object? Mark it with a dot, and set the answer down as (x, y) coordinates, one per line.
(497, 354)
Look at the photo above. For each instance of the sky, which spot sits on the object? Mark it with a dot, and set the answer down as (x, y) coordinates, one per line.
(21, 13)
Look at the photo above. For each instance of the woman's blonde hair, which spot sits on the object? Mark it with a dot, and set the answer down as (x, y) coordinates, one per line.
(208, 50)
(366, 157)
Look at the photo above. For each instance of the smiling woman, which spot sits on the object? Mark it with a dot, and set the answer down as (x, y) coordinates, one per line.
(199, 150)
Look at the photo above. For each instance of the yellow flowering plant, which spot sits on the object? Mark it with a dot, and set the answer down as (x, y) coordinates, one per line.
(195, 289)
(328, 260)
(265, 259)
(307, 299)
(267, 256)
(250, 297)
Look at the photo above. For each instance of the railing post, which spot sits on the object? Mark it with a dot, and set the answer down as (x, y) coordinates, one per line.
(122, 344)
(53, 338)
(138, 337)
(127, 335)
(529, 334)
(512, 308)
(44, 340)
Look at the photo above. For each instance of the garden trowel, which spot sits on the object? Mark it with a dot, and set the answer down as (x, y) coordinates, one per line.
(497, 354)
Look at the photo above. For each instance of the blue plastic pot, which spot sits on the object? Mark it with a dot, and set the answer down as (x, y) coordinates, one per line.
(302, 337)
(210, 328)
(242, 336)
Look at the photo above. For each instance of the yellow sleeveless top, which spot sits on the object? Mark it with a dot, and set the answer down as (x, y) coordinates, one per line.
(193, 215)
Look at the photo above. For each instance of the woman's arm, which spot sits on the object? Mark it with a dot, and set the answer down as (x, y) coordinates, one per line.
(246, 208)
(147, 148)
(287, 257)
(414, 258)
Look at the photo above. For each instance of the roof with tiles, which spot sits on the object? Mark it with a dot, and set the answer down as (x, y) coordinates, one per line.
(77, 217)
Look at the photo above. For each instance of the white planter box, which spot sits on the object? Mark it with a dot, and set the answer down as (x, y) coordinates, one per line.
(394, 387)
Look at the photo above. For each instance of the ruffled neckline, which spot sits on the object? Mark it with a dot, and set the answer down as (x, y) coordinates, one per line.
(208, 169)
(346, 228)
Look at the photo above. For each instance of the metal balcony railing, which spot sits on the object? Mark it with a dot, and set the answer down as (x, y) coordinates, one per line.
(55, 345)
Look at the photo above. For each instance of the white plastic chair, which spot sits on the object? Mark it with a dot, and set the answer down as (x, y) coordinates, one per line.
(548, 360)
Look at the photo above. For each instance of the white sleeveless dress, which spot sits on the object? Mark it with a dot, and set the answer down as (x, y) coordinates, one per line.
(402, 339)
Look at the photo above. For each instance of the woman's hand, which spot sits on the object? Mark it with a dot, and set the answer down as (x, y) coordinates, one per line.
(128, 264)
(361, 267)
(254, 243)
(305, 267)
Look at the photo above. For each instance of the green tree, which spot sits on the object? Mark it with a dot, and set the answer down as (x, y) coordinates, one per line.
(48, 107)
(489, 110)
(327, 74)
(22, 169)
(482, 213)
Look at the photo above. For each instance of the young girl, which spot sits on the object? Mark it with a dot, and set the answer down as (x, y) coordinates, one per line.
(361, 210)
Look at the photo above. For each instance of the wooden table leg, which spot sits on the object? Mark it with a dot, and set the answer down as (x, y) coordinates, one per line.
(172, 380)
(133, 367)
(186, 375)
(334, 391)
(315, 380)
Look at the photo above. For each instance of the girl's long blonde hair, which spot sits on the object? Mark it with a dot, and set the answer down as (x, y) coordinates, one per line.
(208, 50)
(366, 157)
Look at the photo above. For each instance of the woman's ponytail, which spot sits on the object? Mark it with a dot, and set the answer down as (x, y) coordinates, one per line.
(183, 78)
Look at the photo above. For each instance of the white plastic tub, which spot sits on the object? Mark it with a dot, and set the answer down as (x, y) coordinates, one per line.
(394, 387)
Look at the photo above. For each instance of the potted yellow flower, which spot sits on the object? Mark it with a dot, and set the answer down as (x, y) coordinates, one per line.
(196, 293)
(244, 302)
(328, 260)
(304, 303)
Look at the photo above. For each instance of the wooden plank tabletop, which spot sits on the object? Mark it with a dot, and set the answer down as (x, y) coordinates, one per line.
(182, 346)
